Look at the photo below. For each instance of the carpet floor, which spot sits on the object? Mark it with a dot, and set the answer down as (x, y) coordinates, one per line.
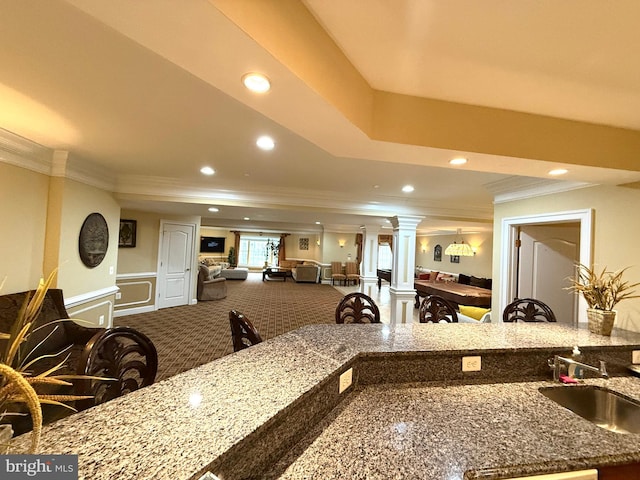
(189, 336)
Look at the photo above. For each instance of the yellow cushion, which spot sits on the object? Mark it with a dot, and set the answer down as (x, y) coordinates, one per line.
(474, 312)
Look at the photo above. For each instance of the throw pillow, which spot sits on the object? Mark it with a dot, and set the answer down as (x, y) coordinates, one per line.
(464, 279)
(474, 312)
(477, 282)
(433, 275)
(424, 276)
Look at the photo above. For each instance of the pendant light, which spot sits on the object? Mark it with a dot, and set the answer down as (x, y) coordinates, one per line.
(459, 249)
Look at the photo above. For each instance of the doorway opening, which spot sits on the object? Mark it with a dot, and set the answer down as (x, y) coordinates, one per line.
(533, 272)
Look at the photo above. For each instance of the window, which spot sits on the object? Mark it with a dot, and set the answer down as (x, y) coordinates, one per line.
(385, 257)
(253, 251)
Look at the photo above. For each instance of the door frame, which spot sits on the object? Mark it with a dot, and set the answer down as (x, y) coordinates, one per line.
(508, 261)
(160, 281)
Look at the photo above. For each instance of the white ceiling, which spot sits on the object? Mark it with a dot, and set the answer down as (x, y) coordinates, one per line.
(150, 91)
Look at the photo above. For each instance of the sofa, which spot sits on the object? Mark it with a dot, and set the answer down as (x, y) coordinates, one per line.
(307, 272)
(210, 287)
(433, 275)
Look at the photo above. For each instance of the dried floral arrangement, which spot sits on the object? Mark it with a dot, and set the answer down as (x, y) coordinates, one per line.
(602, 290)
(18, 384)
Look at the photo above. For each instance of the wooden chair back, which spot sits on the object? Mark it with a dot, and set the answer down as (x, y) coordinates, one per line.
(435, 309)
(243, 333)
(357, 308)
(528, 310)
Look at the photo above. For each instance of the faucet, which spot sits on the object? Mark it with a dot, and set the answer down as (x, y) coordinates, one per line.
(557, 361)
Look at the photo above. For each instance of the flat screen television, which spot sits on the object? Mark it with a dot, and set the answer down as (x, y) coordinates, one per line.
(212, 244)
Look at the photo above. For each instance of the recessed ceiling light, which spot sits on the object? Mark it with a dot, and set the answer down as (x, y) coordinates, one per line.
(458, 161)
(407, 188)
(376, 186)
(207, 171)
(558, 171)
(318, 223)
(265, 143)
(256, 82)
(213, 209)
(247, 218)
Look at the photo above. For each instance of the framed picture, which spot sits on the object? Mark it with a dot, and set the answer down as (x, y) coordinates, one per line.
(303, 244)
(127, 237)
(455, 258)
(437, 253)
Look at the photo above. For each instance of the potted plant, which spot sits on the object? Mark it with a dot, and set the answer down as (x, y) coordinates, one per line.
(602, 291)
(231, 258)
(18, 384)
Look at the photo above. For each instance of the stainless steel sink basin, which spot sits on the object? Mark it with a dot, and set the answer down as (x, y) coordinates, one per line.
(603, 407)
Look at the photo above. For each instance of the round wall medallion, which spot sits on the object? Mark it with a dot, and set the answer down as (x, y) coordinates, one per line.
(94, 240)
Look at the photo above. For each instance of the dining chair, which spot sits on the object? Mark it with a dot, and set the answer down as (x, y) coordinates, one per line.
(351, 272)
(357, 308)
(435, 309)
(336, 273)
(243, 333)
(528, 310)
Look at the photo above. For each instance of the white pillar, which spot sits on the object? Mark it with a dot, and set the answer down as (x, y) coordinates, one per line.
(368, 268)
(402, 290)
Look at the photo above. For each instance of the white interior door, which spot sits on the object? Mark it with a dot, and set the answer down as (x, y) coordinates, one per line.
(176, 258)
(548, 254)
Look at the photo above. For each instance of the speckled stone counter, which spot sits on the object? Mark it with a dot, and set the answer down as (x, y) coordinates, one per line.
(259, 403)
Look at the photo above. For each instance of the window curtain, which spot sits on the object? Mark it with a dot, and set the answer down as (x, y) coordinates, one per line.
(358, 248)
(382, 239)
(236, 245)
(282, 255)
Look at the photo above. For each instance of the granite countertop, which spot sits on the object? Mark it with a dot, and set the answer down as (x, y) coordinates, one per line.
(177, 428)
(442, 431)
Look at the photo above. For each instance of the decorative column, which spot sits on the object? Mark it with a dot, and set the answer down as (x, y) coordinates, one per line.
(402, 290)
(368, 266)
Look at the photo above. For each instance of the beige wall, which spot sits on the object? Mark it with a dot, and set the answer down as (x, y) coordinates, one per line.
(615, 233)
(479, 265)
(23, 209)
(80, 200)
(292, 245)
(331, 250)
(218, 232)
(144, 256)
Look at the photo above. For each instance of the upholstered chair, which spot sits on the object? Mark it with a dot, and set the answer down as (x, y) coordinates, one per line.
(336, 273)
(210, 288)
(351, 272)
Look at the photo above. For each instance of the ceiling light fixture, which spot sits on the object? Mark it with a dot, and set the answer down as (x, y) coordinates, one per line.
(247, 218)
(207, 171)
(558, 171)
(265, 143)
(458, 161)
(256, 82)
(459, 249)
(407, 188)
(213, 209)
(318, 223)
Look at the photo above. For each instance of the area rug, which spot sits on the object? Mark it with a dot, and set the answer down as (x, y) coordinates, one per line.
(189, 336)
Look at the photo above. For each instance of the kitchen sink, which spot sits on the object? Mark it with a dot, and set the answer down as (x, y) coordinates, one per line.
(601, 406)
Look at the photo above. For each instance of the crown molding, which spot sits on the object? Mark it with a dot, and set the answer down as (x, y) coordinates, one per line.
(21, 152)
(519, 188)
(167, 189)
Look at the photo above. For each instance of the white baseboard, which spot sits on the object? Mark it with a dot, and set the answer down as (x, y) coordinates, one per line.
(133, 311)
